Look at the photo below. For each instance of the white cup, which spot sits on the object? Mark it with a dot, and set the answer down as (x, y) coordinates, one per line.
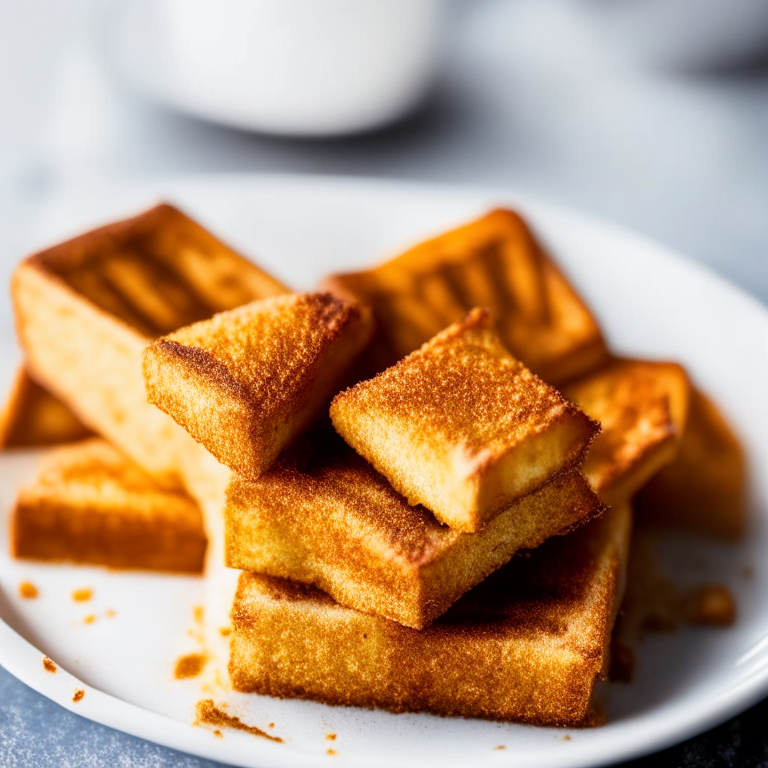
(298, 67)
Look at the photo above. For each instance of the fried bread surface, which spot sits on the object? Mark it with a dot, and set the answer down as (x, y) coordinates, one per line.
(486, 430)
(157, 272)
(86, 309)
(247, 381)
(525, 645)
(704, 488)
(92, 504)
(33, 417)
(323, 516)
(492, 262)
(642, 407)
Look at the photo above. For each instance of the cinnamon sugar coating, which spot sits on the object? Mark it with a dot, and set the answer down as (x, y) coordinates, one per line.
(246, 382)
(525, 645)
(642, 407)
(493, 262)
(91, 504)
(86, 308)
(324, 516)
(484, 428)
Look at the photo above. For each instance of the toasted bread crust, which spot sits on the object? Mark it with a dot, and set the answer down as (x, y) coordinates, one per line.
(86, 309)
(336, 523)
(245, 382)
(91, 504)
(525, 645)
(486, 429)
(157, 271)
(33, 417)
(642, 407)
(493, 262)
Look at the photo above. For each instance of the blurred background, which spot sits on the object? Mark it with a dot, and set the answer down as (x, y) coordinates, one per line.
(650, 113)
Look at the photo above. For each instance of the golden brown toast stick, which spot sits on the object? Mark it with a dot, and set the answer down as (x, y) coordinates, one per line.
(494, 262)
(86, 309)
(84, 332)
(92, 504)
(525, 645)
(330, 519)
(247, 381)
(704, 488)
(642, 407)
(33, 417)
(462, 427)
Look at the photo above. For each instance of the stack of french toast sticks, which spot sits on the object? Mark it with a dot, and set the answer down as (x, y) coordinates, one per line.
(414, 485)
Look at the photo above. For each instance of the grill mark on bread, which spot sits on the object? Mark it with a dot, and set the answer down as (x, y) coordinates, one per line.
(548, 327)
(149, 245)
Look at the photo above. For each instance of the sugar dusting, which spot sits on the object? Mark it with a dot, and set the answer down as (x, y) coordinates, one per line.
(209, 714)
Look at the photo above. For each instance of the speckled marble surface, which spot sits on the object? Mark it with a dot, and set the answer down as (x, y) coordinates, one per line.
(36, 733)
(521, 101)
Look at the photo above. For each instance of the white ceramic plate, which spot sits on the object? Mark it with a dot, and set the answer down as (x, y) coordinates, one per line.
(651, 303)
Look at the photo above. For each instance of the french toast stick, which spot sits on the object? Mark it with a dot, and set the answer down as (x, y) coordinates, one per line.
(642, 407)
(526, 645)
(92, 504)
(328, 518)
(486, 430)
(247, 381)
(492, 262)
(704, 489)
(32, 417)
(86, 309)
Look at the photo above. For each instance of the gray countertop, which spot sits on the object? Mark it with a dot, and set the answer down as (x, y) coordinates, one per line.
(522, 100)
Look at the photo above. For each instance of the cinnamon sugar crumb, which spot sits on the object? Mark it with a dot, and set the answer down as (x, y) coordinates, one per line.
(209, 714)
(712, 605)
(48, 664)
(271, 725)
(89, 619)
(198, 614)
(82, 595)
(331, 752)
(330, 736)
(28, 590)
(190, 665)
(224, 631)
(110, 613)
(566, 738)
(78, 695)
(501, 746)
(218, 734)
